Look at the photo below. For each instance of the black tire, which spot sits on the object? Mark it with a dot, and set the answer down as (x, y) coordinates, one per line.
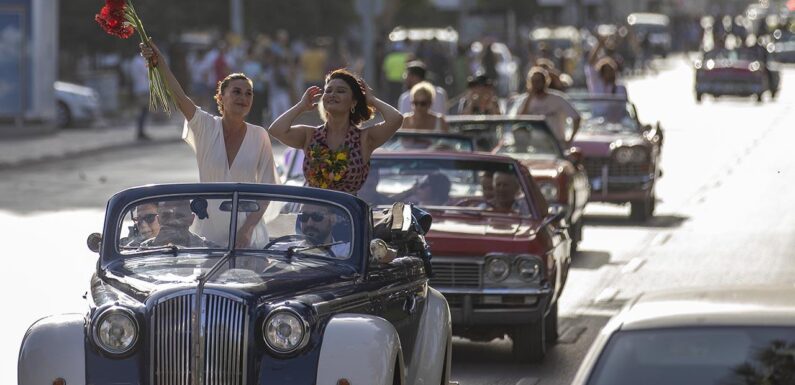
(529, 342)
(551, 325)
(642, 210)
(699, 97)
(576, 237)
(63, 116)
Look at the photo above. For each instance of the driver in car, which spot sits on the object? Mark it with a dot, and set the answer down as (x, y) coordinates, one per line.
(146, 226)
(316, 223)
(175, 218)
(506, 187)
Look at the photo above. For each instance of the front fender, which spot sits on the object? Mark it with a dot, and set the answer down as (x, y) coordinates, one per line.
(363, 349)
(430, 362)
(53, 347)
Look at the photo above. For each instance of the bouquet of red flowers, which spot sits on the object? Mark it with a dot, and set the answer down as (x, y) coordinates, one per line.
(118, 18)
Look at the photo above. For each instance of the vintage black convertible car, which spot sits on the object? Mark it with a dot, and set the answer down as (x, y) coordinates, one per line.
(307, 290)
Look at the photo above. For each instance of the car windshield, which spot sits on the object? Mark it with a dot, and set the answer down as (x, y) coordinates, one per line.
(601, 115)
(198, 224)
(732, 55)
(526, 141)
(486, 135)
(411, 141)
(461, 185)
(691, 356)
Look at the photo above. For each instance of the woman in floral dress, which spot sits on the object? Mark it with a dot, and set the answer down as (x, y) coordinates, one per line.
(338, 152)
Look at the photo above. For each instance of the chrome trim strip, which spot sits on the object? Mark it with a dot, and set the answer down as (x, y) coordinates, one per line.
(495, 291)
(360, 299)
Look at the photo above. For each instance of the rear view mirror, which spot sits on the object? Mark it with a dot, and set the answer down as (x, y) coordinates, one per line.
(574, 155)
(94, 242)
(243, 206)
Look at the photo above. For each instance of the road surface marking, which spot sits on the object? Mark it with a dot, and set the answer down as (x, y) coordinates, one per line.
(635, 263)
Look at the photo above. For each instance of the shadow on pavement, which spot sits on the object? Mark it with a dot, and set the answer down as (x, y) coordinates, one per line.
(656, 222)
(590, 259)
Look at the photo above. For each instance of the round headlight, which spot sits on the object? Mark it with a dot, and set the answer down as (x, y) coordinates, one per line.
(497, 269)
(285, 331)
(116, 330)
(549, 191)
(639, 155)
(529, 269)
(623, 155)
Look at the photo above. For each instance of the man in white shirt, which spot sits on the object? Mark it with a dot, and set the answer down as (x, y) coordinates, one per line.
(553, 105)
(415, 73)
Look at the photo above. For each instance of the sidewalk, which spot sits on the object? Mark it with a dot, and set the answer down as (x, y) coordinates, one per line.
(66, 143)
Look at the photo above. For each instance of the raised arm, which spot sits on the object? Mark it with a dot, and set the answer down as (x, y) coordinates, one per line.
(380, 133)
(282, 128)
(593, 56)
(153, 57)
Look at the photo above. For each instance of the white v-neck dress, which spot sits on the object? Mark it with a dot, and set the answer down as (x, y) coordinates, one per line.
(252, 164)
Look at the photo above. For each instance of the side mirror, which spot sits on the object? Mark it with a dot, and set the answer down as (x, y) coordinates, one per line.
(380, 252)
(574, 155)
(94, 242)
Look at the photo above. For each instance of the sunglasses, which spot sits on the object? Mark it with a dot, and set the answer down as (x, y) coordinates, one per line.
(421, 103)
(148, 218)
(305, 217)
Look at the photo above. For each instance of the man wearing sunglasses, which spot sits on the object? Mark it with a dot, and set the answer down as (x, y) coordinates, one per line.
(146, 225)
(316, 223)
(175, 218)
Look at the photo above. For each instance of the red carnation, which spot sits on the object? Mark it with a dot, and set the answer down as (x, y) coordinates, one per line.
(112, 19)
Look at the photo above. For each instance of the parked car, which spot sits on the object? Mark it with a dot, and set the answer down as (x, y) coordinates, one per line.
(652, 26)
(75, 104)
(724, 335)
(312, 298)
(500, 257)
(742, 71)
(783, 46)
(559, 174)
(621, 155)
(411, 139)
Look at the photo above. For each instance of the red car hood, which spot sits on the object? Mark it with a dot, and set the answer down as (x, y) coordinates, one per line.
(460, 234)
(600, 145)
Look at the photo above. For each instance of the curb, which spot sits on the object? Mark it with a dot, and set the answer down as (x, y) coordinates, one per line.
(77, 154)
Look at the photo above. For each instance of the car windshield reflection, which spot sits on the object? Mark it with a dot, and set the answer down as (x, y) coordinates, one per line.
(606, 116)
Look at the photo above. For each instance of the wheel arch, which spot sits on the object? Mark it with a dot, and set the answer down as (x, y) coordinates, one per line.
(53, 347)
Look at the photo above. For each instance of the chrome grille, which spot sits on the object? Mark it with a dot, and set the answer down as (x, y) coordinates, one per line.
(594, 168)
(456, 274)
(224, 329)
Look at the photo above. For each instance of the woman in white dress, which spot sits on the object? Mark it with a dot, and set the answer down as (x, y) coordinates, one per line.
(227, 149)
(421, 117)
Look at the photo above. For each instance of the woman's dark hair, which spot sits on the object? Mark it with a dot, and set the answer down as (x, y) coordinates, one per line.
(440, 187)
(362, 112)
(223, 84)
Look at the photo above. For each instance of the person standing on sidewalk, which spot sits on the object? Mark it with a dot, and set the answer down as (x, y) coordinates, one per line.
(140, 87)
(337, 153)
(227, 148)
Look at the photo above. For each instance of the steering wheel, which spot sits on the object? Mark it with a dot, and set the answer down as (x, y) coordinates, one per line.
(472, 202)
(297, 238)
(285, 238)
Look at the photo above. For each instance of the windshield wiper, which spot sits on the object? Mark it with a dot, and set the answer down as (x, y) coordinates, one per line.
(292, 250)
(173, 249)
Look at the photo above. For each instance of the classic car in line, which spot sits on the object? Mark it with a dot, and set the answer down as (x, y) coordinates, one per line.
(412, 139)
(300, 293)
(742, 71)
(729, 335)
(500, 258)
(559, 174)
(621, 155)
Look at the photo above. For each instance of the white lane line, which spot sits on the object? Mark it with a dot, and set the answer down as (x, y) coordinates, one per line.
(607, 295)
(633, 265)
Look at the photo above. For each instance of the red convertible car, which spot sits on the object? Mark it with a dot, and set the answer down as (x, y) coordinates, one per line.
(622, 156)
(559, 173)
(500, 257)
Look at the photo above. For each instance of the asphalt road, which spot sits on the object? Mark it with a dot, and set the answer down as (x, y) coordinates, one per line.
(724, 218)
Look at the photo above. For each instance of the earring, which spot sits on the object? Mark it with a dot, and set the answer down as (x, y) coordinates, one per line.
(353, 109)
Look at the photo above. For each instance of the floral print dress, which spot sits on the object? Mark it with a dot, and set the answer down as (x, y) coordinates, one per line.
(343, 169)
